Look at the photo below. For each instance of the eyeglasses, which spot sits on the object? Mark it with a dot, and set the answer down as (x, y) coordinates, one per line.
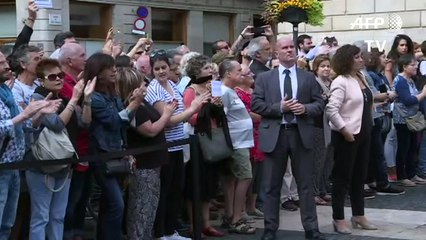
(53, 77)
(157, 53)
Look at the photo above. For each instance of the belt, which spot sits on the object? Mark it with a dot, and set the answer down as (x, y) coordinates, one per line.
(288, 126)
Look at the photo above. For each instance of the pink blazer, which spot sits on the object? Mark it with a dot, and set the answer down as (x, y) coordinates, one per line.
(346, 103)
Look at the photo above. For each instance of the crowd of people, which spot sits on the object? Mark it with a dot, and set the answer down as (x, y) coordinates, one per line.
(279, 125)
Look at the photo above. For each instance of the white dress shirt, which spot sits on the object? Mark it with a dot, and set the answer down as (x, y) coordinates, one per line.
(293, 76)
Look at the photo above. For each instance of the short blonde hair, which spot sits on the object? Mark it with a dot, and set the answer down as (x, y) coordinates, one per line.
(127, 81)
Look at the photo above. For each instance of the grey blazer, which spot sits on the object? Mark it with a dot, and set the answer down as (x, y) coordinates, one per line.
(266, 101)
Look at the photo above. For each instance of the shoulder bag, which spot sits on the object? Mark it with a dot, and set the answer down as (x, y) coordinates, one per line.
(415, 123)
(214, 148)
(51, 145)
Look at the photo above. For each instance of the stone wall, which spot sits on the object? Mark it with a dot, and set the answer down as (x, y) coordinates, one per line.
(341, 13)
(124, 16)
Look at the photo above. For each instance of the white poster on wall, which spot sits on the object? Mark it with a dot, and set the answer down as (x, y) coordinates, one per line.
(44, 3)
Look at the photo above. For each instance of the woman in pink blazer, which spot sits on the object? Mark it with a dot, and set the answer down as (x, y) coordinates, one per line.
(349, 111)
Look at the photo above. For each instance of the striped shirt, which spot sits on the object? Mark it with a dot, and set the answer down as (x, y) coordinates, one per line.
(239, 120)
(156, 93)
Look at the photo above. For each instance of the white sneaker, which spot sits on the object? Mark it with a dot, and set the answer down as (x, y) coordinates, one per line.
(418, 180)
(176, 236)
(407, 183)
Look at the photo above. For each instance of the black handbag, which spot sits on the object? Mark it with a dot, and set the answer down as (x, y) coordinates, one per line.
(120, 167)
(123, 166)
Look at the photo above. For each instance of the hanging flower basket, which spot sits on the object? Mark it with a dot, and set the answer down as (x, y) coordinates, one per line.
(293, 11)
(294, 15)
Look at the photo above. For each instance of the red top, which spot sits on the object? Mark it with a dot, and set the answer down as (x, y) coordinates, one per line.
(188, 97)
(82, 145)
(256, 154)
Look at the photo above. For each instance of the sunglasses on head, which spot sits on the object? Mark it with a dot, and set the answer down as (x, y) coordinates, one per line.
(156, 53)
(53, 77)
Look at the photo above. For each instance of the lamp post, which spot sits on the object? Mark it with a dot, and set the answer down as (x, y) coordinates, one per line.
(294, 15)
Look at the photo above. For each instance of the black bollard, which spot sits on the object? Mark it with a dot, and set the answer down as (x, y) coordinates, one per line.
(196, 203)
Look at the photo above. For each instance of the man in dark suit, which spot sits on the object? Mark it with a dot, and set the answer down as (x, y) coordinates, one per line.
(288, 99)
(259, 49)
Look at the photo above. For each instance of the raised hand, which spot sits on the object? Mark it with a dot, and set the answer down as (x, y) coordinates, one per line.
(247, 32)
(90, 88)
(110, 34)
(32, 10)
(78, 90)
(200, 100)
(268, 31)
(51, 107)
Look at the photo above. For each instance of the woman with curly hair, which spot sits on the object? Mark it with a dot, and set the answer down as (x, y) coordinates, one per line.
(349, 111)
(211, 115)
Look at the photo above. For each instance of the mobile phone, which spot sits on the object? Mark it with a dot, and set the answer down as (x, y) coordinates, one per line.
(383, 88)
(258, 31)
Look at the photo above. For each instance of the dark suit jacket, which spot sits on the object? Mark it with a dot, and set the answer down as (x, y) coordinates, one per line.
(257, 67)
(267, 102)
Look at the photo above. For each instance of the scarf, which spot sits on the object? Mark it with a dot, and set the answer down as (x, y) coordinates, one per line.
(7, 98)
(201, 79)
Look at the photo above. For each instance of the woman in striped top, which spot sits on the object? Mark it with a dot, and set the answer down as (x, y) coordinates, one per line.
(160, 92)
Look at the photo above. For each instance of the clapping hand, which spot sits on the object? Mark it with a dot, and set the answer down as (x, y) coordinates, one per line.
(90, 88)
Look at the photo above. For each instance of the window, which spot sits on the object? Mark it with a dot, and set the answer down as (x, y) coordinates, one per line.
(89, 20)
(8, 15)
(217, 26)
(168, 25)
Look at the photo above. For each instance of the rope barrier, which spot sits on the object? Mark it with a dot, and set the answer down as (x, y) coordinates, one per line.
(105, 156)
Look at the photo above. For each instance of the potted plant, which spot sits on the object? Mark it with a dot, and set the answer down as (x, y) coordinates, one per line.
(293, 11)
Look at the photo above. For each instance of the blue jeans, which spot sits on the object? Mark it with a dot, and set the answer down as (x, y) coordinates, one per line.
(111, 206)
(391, 145)
(47, 207)
(9, 195)
(422, 154)
(81, 187)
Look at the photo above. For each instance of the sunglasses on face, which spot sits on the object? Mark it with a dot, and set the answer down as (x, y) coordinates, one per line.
(53, 76)
(157, 53)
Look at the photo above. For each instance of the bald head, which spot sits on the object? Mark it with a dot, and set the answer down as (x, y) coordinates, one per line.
(286, 52)
(72, 56)
(143, 65)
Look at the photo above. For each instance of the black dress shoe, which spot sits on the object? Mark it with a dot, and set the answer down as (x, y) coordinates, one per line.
(268, 235)
(289, 205)
(314, 234)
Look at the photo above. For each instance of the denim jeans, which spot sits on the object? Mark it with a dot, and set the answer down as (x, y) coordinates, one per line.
(47, 207)
(81, 186)
(391, 145)
(422, 155)
(9, 195)
(111, 206)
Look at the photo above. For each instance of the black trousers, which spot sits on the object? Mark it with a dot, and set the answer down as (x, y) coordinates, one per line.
(406, 163)
(171, 195)
(349, 172)
(289, 144)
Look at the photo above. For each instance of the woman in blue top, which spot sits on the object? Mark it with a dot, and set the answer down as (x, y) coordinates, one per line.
(406, 104)
(109, 118)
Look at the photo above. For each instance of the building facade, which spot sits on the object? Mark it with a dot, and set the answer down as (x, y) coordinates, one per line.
(196, 23)
(353, 20)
